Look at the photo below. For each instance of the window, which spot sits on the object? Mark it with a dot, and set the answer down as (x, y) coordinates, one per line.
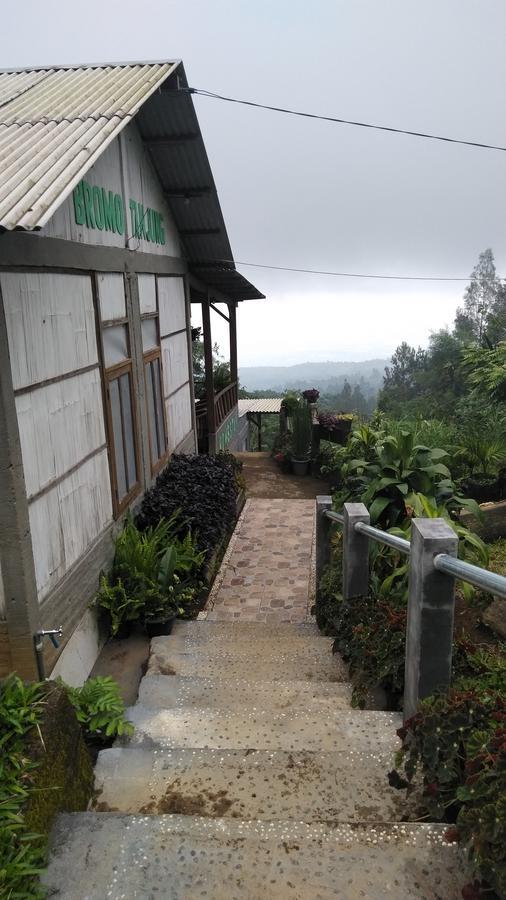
(118, 377)
(150, 330)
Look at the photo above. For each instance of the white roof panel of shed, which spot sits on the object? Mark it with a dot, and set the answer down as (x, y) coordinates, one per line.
(54, 124)
(261, 405)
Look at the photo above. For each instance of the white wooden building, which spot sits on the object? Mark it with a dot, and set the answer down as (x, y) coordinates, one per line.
(110, 226)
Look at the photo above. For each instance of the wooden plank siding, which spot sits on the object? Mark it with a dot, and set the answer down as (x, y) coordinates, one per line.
(5, 652)
(53, 315)
(51, 330)
(174, 329)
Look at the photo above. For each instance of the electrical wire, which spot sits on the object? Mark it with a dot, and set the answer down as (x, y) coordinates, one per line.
(307, 115)
(230, 262)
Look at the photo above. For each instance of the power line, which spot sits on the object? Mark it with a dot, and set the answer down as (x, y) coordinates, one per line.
(308, 115)
(381, 277)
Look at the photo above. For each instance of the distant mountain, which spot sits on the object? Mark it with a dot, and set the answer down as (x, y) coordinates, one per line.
(325, 376)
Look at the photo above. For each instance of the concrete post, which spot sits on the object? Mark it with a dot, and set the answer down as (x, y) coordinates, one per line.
(323, 526)
(355, 552)
(429, 631)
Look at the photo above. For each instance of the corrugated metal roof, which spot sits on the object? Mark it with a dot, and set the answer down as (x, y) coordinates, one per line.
(260, 405)
(56, 122)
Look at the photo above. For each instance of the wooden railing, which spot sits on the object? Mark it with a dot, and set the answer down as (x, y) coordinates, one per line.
(224, 403)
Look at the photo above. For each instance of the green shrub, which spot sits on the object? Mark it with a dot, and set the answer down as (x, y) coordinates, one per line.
(99, 708)
(301, 432)
(21, 854)
(457, 743)
(205, 488)
(154, 574)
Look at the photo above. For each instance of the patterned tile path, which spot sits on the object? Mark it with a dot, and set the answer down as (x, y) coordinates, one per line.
(267, 574)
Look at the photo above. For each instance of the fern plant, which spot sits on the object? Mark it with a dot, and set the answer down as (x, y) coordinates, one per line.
(154, 573)
(21, 853)
(99, 708)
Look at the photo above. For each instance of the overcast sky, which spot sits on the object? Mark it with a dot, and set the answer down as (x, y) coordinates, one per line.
(313, 194)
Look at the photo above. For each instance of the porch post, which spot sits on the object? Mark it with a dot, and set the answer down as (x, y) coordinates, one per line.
(234, 374)
(208, 359)
(16, 553)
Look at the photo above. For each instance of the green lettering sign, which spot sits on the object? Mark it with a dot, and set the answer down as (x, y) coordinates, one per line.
(99, 208)
(78, 204)
(109, 211)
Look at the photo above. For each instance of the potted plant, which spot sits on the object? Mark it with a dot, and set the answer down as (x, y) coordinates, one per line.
(167, 600)
(311, 397)
(289, 403)
(301, 439)
(154, 574)
(335, 428)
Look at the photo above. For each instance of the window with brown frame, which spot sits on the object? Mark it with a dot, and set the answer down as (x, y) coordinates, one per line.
(154, 390)
(120, 404)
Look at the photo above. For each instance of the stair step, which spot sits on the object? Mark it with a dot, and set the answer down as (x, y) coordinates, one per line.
(260, 784)
(311, 730)
(214, 638)
(204, 631)
(255, 661)
(113, 856)
(171, 691)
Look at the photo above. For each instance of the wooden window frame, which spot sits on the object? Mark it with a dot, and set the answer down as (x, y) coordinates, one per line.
(110, 374)
(155, 353)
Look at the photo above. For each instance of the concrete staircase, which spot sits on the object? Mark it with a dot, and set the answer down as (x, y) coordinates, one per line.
(250, 776)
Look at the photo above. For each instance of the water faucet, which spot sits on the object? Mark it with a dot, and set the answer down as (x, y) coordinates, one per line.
(51, 633)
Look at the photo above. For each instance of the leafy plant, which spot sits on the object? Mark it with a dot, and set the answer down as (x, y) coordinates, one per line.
(483, 455)
(457, 742)
(99, 708)
(290, 402)
(21, 853)
(301, 432)
(485, 369)
(205, 488)
(152, 574)
(120, 605)
(333, 422)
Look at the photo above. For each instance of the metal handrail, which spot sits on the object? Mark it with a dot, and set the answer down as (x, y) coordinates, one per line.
(481, 578)
(464, 571)
(336, 517)
(383, 537)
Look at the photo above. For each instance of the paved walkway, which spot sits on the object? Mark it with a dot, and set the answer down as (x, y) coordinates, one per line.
(267, 574)
(264, 478)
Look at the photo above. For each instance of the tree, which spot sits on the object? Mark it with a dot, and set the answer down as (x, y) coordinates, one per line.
(496, 321)
(475, 317)
(221, 368)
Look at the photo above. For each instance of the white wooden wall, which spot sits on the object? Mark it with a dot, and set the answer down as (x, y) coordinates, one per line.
(51, 333)
(174, 344)
(138, 181)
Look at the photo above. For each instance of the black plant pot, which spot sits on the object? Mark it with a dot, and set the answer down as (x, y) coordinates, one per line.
(159, 627)
(124, 631)
(483, 488)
